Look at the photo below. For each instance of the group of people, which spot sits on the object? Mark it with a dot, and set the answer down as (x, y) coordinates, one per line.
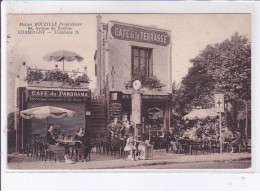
(119, 131)
(83, 144)
(191, 134)
(126, 132)
(171, 141)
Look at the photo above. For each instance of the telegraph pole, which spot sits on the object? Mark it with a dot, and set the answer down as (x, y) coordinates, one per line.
(219, 107)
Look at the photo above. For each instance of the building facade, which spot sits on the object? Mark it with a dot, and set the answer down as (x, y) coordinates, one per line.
(32, 93)
(126, 51)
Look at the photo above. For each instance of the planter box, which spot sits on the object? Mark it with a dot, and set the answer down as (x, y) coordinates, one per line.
(55, 84)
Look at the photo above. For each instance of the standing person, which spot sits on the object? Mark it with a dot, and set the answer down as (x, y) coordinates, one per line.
(80, 134)
(168, 138)
(228, 134)
(235, 143)
(114, 129)
(128, 128)
(193, 134)
(85, 146)
(79, 145)
(54, 144)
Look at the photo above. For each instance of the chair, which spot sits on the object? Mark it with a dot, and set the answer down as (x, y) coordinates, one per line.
(192, 145)
(204, 147)
(86, 147)
(157, 142)
(184, 145)
(248, 146)
(48, 153)
(126, 153)
(29, 145)
(214, 146)
(244, 146)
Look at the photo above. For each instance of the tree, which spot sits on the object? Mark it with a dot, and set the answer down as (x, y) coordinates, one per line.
(221, 68)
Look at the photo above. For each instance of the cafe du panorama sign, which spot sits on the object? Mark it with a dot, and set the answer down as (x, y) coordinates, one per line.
(57, 96)
(130, 33)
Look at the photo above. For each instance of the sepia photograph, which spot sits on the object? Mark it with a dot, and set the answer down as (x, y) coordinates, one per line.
(128, 91)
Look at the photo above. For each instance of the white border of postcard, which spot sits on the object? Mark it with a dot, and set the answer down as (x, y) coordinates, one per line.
(146, 179)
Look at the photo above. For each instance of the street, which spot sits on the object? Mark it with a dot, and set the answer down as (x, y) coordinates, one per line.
(201, 165)
(161, 160)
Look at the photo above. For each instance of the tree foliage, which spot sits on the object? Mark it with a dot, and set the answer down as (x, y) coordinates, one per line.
(220, 68)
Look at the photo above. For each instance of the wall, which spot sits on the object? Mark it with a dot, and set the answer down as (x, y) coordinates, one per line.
(119, 56)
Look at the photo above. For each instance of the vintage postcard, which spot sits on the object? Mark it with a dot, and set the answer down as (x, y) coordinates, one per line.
(128, 91)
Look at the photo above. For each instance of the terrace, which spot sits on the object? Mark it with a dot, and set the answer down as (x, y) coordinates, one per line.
(57, 78)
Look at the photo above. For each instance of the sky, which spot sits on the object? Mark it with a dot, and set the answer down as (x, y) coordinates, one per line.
(190, 34)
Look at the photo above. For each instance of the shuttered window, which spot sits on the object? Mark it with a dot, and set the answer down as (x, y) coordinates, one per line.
(142, 61)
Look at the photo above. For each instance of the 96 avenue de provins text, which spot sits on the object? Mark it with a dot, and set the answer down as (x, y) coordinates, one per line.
(49, 28)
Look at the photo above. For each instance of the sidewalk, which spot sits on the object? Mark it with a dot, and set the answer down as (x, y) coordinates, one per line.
(100, 161)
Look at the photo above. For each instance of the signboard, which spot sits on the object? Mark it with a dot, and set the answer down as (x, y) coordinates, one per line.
(114, 96)
(139, 34)
(149, 97)
(219, 102)
(139, 130)
(156, 97)
(57, 96)
(155, 113)
(115, 110)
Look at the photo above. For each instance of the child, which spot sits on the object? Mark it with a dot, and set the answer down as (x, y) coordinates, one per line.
(130, 146)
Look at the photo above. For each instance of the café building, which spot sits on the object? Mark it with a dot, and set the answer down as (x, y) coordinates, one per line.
(128, 50)
(49, 93)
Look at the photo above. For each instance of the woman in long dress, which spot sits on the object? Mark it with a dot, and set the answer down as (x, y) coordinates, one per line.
(80, 136)
(55, 146)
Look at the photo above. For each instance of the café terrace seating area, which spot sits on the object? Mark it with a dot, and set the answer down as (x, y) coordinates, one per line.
(104, 147)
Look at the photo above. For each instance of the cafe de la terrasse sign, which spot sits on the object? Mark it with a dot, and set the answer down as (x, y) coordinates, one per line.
(138, 34)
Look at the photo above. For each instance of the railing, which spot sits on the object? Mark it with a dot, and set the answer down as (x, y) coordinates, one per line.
(67, 78)
(72, 74)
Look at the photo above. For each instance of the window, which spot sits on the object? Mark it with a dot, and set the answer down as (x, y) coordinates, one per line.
(142, 61)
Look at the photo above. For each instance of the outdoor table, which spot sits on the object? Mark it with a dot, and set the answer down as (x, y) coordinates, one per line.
(185, 143)
(71, 144)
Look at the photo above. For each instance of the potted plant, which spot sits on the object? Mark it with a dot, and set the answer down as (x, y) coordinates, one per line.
(150, 82)
(56, 79)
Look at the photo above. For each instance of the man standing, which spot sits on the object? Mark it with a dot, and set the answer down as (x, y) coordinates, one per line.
(234, 144)
(127, 129)
(114, 129)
